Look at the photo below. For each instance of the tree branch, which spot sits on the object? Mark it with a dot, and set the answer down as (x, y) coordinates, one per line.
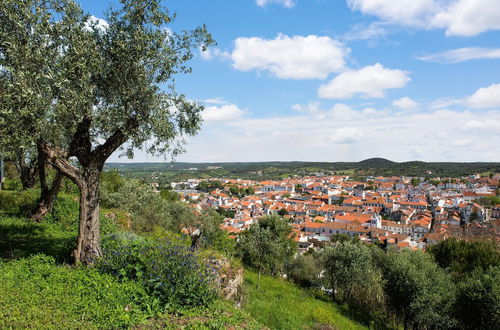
(119, 137)
(59, 160)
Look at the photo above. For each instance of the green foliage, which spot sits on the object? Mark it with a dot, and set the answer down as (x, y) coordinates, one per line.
(18, 202)
(282, 212)
(352, 276)
(463, 257)
(148, 209)
(21, 237)
(213, 236)
(169, 195)
(207, 186)
(305, 270)
(234, 190)
(169, 271)
(36, 293)
(491, 201)
(226, 213)
(279, 304)
(418, 291)
(266, 245)
(478, 300)
(12, 184)
(219, 315)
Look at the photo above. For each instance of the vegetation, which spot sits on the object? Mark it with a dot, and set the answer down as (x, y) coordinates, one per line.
(279, 304)
(266, 245)
(72, 70)
(172, 172)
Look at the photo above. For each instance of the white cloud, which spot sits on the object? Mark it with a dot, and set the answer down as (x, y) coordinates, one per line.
(216, 100)
(486, 97)
(346, 135)
(457, 17)
(296, 57)
(226, 112)
(369, 82)
(406, 104)
(404, 12)
(462, 55)
(363, 31)
(469, 17)
(211, 53)
(95, 22)
(284, 3)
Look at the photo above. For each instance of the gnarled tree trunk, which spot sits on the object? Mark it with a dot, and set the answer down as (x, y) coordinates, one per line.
(88, 247)
(27, 172)
(47, 198)
(47, 195)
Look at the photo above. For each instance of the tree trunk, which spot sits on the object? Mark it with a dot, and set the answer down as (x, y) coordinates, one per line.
(88, 247)
(27, 173)
(47, 195)
(258, 280)
(47, 198)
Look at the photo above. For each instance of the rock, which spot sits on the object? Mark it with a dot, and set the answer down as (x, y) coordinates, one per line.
(229, 279)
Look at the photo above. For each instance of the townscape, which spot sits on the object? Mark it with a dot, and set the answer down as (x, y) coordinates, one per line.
(402, 212)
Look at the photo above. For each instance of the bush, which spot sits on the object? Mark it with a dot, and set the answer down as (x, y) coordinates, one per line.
(168, 270)
(12, 184)
(305, 271)
(478, 300)
(463, 257)
(18, 202)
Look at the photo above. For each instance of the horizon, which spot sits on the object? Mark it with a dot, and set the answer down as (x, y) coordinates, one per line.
(300, 161)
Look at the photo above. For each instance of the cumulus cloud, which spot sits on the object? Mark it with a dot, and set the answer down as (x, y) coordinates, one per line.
(457, 17)
(284, 3)
(96, 23)
(462, 55)
(226, 112)
(346, 135)
(368, 82)
(486, 97)
(406, 104)
(296, 57)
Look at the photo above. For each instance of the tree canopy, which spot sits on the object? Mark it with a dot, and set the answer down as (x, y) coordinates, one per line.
(80, 89)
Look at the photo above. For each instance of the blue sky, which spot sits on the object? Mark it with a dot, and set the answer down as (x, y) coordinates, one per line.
(342, 80)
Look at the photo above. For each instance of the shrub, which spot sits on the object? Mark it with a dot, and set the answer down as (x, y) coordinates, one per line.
(478, 300)
(18, 202)
(168, 270)
(305, 270)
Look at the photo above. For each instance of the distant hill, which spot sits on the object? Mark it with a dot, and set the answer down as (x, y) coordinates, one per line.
(172, 172)
(376, 163)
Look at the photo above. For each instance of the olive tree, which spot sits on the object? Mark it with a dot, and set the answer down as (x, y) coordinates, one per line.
(112, 87)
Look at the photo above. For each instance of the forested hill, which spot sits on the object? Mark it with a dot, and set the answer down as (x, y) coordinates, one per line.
(273, 170)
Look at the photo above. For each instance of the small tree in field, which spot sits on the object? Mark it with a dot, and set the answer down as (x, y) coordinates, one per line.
(267, 245)
(111, 86)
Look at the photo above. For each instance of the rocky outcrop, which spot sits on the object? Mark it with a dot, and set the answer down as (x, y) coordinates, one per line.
(229, 279)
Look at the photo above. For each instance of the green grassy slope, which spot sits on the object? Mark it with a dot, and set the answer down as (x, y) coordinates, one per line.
(279, 304)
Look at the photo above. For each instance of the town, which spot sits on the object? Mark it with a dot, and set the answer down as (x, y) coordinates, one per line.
(400, 212)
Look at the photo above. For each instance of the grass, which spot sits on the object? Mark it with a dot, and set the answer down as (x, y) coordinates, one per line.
(279, 304)
(38, 290)
(38, 293)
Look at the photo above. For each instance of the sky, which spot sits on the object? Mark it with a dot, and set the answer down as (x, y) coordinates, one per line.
(341, 80)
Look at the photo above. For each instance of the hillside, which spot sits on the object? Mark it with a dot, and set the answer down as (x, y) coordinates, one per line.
(169, 172)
